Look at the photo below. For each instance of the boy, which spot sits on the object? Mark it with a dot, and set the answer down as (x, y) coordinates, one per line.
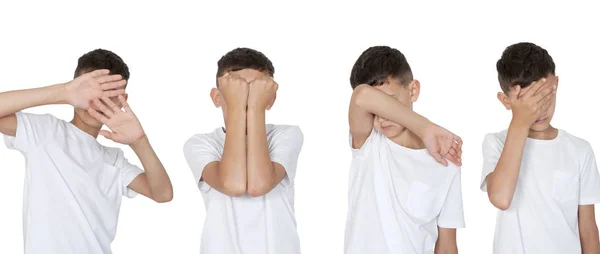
(544, 180)
(74, 185)
(402, 199)
(245, 170)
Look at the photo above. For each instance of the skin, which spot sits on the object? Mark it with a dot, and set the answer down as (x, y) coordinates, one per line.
(244, 97)
(388, 109)
(533, 108)
(88, 94)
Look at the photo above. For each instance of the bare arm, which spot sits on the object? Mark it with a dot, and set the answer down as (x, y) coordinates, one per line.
(588, 230)
(15, 101)
(126, 129)
(78, 92)
(446, 242)
(263, 175)
(154, 183)
(502, 182)
(527, 108)
(229, 175)
(368, 101)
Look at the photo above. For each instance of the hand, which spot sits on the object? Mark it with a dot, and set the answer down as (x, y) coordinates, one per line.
(442, 144)
(93, 85)
(125, 126)
(262, 93)
(234, 90)
(533, 104)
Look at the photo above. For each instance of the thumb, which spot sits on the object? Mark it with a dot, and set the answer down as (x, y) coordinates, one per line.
(106, 134)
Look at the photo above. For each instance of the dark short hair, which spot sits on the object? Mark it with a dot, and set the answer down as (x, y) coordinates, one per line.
(523, 63)
(244, 58)
(376, 64)
(102, 59)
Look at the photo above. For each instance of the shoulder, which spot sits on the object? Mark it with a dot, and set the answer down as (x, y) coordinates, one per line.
(284, 131)
(495, 138)
(39, 118)
(213, 138)
(574, 142)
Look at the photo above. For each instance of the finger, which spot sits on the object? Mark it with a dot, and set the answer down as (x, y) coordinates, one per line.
(113, 85)
(111, 104)
(452, 152)
(124, 103)
(534, 88)
(113, 93)
(513, 93)
(438, 157)
(545, 93)
(98, 73)
(98, 116)
(107, 134)
(103, 109)
(108, 78)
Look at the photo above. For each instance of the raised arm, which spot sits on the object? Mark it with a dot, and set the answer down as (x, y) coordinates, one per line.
(263, 174)
(228, 176)
(78, 92)
(126, 129)
(368, 101)
(526, 108)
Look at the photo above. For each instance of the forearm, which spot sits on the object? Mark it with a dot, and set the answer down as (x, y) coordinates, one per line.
(378, 103)
(260, 168)
(232, 170)
(590, 244)
(158, 179)
(502, 182)
(446, 242)
(15, 101)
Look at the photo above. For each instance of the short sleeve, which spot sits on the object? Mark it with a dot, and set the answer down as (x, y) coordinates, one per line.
(128, 173)
(589, 192)
(199, 151)
(492, 149)
(366, 146)
(452, 214)
(284, 148)
(32, 130)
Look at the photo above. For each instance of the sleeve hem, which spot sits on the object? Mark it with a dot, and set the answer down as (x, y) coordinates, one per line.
(452, 225)
(127, 181)
(590, 201)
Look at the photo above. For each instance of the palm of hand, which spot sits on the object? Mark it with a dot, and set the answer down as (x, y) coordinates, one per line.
(125, 127)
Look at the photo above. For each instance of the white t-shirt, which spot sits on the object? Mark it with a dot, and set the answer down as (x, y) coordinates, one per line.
(73, 187)
(556, 176)
(398, 197)
(248, 225)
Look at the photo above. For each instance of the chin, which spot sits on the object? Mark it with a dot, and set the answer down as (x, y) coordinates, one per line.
(540, 127)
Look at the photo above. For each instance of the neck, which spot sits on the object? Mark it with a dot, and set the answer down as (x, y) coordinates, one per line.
(409, 139)
(92, 131)
(547, 134)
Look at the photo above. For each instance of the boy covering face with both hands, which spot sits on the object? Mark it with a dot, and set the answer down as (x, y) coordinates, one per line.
(404, 196)
(544, 180)
(73, 184)
(245, 170)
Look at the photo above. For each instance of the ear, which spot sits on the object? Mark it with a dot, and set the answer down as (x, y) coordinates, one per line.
(126, 96)
(556, 84)
(215, 95)
(272, 102)
(503, 98)
(414, 90)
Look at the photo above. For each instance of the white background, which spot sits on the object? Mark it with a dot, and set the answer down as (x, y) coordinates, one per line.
(172, 50)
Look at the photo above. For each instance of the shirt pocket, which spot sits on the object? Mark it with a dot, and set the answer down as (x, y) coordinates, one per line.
(565, 187)
(423, 201)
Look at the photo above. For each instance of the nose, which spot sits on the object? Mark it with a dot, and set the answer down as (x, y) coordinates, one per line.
(381, 119)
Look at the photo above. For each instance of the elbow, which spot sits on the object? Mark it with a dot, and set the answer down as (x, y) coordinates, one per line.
(164, 197)
(258, 189)
(234, 189)
(360, 96)
(502, 203)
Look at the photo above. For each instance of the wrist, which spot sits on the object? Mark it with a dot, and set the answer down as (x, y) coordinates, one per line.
(60, 94)
(142, 141)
